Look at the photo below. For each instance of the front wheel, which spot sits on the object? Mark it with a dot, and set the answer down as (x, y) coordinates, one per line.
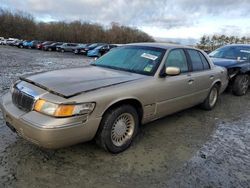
(240, 85)
(211, 99)
(118, 128)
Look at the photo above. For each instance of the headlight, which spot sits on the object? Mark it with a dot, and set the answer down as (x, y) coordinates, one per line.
(63, 110)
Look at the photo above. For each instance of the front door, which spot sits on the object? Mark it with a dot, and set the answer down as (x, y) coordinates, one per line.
(175, 92)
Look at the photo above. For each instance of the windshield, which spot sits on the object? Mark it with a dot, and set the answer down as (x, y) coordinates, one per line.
(81, 45)
(232, 52)
(93, 45)
(98, 47)
(136, 59)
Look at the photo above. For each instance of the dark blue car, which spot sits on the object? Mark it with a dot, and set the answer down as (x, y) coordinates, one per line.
(236, 58)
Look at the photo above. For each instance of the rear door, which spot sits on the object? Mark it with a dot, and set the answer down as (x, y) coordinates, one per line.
(201, 73)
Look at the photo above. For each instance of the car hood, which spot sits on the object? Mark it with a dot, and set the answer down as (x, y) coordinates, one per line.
(70, 82)
(224, 62)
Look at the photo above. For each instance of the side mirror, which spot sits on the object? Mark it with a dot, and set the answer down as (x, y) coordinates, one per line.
(172, 71)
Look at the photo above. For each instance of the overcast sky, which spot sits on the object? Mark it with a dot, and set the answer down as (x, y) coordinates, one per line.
(159, 18)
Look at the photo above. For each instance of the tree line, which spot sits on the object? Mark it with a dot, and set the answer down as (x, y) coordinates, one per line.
(23, 26)
(211, 43)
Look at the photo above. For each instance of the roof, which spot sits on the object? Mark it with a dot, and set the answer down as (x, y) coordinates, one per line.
(160, 45)
(247, 45)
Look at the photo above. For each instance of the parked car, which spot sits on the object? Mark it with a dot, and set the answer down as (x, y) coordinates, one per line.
(40, 46)
(11, 41)
(91, 47)
(79, 48)
(236, 58)
(26, 43)
(2, 41)
(109, 99)
(100, 50)
(19, 43)
(52, 47)
(31, 44)
(66, 47)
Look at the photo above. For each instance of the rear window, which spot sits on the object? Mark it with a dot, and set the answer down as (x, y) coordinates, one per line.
(204, 61)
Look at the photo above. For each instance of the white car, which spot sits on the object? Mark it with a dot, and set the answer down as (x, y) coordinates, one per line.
(2, 41)
(10, 41)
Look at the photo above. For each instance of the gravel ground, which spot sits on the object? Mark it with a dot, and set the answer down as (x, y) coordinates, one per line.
(193, 148)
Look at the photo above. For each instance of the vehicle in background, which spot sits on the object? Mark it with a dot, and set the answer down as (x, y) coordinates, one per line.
(78, 49)
(236, 58)
(52, 47)
(41, 45)
(31, 44)
(26, 43)
(19, 43)
(11, 41)
(91, 47)
(100, 50)
(2, 41)
(66, 47)
(110, 99)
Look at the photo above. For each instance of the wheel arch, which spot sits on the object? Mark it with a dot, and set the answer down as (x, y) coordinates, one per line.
(130, 101)
(218, 83)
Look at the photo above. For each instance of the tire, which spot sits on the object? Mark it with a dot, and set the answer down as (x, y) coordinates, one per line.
(62, 50)
(240, 85)
(49, 49)
(118, 128)
(21, 46)
(211, 100)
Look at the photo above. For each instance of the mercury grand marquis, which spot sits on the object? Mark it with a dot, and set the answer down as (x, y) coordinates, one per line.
(110, 98)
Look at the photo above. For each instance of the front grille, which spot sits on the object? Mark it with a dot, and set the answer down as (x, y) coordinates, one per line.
(22, 100)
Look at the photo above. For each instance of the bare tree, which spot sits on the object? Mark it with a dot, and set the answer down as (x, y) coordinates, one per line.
(22, 25)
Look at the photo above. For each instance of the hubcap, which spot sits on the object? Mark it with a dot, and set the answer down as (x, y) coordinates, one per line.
(213, 96)
(122, 129)
(245, 84)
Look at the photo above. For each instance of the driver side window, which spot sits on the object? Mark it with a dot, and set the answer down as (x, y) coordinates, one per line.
(177, 58)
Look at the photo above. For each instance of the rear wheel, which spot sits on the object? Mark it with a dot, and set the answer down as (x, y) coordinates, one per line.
(211, 99)
(50, 49)
(76, 51)
(240, 85)
(62, 50)
(118, 128)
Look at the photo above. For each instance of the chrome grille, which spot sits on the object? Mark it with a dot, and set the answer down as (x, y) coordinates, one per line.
(22, 100)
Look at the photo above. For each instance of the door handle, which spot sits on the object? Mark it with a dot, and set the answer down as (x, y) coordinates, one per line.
(190, 81)
(211, 77)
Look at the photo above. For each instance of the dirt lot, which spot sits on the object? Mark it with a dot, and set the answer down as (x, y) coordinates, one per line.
(193, 148)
